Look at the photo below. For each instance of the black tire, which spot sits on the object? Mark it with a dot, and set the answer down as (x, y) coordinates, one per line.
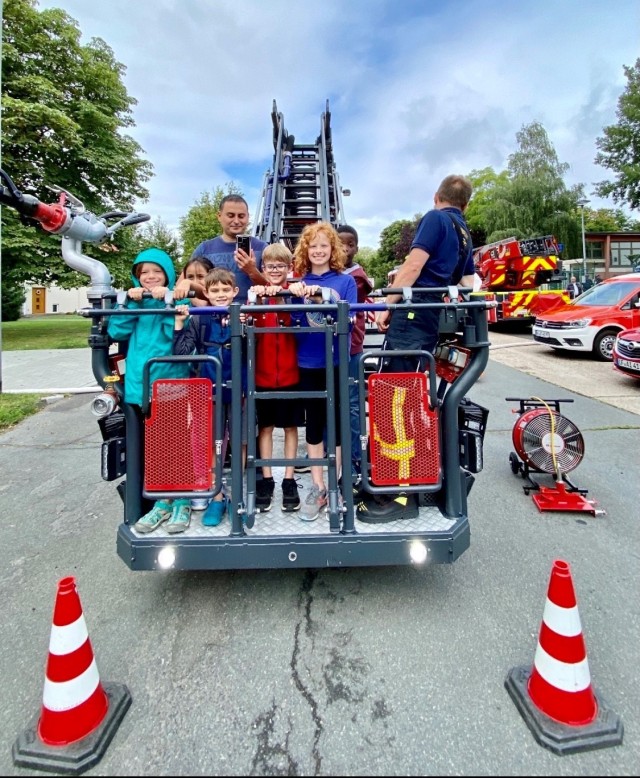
(603, 345)
(514, 462)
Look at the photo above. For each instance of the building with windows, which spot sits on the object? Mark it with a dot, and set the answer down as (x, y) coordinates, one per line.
(612, 253)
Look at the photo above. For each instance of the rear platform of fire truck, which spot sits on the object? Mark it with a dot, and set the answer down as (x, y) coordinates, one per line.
(420, 433)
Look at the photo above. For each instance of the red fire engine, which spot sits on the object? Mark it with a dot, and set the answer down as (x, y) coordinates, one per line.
(512, 272)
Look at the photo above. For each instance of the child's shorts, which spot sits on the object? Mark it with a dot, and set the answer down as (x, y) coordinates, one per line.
(281, 413)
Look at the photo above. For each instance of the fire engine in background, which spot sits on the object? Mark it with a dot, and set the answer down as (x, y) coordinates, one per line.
(512, 273)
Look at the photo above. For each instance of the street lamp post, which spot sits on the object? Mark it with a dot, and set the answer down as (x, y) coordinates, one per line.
(582, 202)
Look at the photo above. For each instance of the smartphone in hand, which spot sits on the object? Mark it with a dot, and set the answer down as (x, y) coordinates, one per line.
(244, 242)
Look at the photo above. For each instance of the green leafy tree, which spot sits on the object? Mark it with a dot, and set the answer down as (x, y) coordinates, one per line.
(395, 241)
(606, 220)
(367, 257)
(65, 113)
(619, 147)
(533, 199)
(158, 234)
(201, 222)
(484, 183)
(13, 298)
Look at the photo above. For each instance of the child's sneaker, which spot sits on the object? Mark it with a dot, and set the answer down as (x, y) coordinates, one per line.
(180, 517)
(214, 513)
(264, 494)
(316, 501)
(160, 513)
(290, 496)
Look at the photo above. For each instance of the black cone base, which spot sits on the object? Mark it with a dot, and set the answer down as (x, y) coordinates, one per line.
(604, 731)
(75, 758)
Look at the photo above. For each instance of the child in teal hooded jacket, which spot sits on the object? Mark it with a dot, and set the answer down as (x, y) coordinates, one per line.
(148, 336)
(151, 336)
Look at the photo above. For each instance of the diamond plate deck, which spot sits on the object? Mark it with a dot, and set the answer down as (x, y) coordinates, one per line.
(275, 523)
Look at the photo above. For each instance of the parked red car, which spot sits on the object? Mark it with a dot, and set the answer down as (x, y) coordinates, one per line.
(591, 322)
(626, 352)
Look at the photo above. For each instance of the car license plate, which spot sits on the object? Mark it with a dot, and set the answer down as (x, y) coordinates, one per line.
(628, 364)
(541, 333)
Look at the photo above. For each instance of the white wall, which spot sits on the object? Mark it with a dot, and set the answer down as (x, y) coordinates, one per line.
(66, 300)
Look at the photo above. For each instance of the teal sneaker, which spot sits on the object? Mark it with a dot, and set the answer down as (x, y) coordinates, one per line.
(214, 513)
(180, 517)
(160, 513)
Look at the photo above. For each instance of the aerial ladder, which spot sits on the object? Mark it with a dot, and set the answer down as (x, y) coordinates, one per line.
(302, 186)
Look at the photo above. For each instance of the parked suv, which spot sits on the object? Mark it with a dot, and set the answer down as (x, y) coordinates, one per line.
(626, 352)
(591, 322)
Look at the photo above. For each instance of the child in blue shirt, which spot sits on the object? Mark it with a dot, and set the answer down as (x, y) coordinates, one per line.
(211, 334)
(319, 259)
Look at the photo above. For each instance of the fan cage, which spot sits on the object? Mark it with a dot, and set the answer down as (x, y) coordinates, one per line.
(548, 441)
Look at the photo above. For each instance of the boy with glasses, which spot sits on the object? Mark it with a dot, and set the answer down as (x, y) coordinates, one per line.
(276, 369)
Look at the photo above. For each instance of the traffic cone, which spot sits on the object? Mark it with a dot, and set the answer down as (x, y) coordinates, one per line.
(555, 697)
(79, 714)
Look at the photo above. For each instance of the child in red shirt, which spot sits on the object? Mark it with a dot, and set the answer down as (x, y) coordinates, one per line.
(276, 369)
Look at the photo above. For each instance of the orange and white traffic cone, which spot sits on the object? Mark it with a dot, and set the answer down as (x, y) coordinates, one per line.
(79, 715)
(555, 697)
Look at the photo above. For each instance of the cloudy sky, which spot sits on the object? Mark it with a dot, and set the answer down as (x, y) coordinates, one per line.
(417, 89)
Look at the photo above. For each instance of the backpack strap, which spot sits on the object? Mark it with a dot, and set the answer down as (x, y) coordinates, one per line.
(464, 242)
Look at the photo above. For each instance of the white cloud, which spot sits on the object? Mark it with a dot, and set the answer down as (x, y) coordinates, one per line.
(416, 90)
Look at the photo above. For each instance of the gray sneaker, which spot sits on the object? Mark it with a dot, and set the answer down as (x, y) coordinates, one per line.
(180, 517)
(315, 502)
(160, 513)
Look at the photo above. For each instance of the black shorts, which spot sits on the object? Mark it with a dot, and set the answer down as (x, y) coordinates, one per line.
(315, 379)
(281, 413)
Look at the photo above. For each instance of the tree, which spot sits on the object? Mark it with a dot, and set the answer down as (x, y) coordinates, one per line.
(201, 222)
(606, 220)
(65, 110)
(367, 257)
(484, 183)
(13, 298)
(533, 199)
(157, 234)
(395, 241)
(619, 147)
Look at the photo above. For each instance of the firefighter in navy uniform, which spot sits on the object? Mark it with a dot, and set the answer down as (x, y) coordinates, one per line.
(441, 254)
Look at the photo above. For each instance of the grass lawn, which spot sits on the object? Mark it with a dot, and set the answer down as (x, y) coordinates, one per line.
(16, 407)
(52, 331)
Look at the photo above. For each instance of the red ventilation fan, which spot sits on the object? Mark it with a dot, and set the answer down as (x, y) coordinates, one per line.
(545, 441)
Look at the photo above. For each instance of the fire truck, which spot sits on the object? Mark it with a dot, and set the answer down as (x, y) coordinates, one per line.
(421, 434)
(512, 273)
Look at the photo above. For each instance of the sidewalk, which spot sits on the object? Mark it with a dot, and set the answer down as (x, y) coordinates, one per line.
(50, 371)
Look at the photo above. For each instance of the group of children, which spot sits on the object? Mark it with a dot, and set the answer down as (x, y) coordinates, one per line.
(286, 361)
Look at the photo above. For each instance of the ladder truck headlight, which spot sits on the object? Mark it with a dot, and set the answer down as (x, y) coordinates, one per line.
(418, 552)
